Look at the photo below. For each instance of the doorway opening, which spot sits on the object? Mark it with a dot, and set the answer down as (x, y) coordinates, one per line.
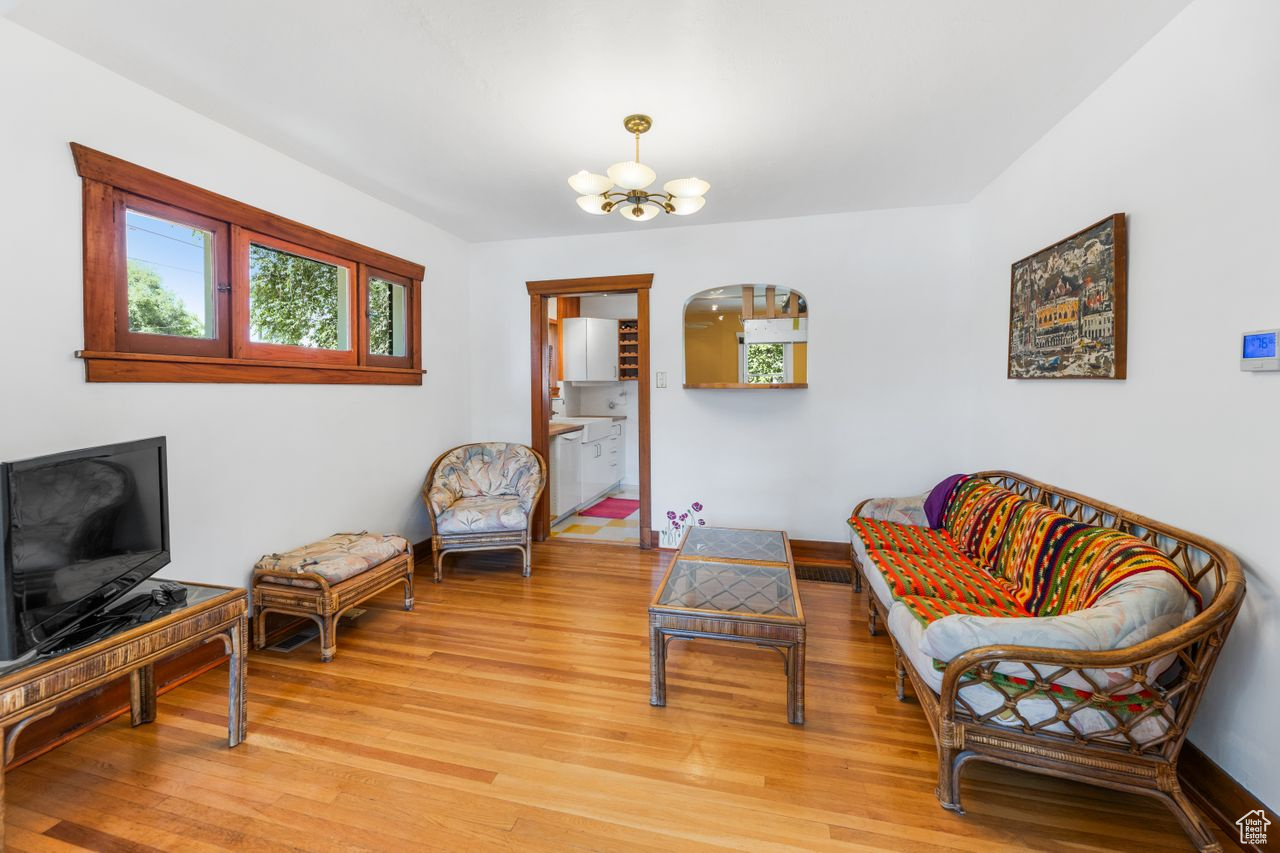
(589, 383)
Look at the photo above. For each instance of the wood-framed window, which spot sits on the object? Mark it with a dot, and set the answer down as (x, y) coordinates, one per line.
(177, 269)
(292, 303)
(184, 285)
(389, 317)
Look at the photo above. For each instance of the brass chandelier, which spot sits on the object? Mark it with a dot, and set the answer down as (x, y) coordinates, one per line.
(623, 187)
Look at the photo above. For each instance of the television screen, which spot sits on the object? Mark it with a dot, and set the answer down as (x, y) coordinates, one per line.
(80, 529)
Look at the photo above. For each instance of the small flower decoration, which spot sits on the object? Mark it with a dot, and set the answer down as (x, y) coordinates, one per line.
(682, 522)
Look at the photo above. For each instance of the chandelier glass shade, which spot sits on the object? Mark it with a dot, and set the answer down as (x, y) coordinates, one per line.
(624, 187)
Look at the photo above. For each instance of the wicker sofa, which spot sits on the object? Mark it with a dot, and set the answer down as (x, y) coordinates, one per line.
(1048, 631)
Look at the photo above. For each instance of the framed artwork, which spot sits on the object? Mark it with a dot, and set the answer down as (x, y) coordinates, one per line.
(1067, 312)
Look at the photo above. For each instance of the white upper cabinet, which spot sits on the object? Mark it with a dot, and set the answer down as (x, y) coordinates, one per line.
(590, 349)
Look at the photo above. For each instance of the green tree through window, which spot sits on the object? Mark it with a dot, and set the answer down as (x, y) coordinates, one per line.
(381, 318)
(155, 309)
(766, 364)
(294, 300)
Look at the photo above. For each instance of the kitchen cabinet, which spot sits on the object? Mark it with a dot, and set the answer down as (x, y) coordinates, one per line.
(590, 349)
(566, 473)
(586, 464)
(603, 463)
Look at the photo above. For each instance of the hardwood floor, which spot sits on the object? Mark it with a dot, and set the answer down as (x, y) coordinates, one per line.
(513, 713)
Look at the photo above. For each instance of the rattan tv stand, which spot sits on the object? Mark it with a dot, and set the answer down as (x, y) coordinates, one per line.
(210, 614)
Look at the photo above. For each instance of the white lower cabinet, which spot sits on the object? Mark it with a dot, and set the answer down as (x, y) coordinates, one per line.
(583, 471)
(603, 464)
(566, 473)
(595, 469)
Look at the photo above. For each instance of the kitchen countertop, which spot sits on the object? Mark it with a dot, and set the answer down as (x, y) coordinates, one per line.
(554, 429)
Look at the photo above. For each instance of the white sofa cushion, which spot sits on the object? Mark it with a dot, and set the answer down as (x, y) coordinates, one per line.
(909, 635)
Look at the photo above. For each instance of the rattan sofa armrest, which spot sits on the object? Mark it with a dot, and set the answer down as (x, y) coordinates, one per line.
(320, 580)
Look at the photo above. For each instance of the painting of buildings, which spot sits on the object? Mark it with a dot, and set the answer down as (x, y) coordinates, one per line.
(1067, 307)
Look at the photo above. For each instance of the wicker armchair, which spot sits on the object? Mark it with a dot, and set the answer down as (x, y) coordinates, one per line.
(1135, 751)
(480, 498)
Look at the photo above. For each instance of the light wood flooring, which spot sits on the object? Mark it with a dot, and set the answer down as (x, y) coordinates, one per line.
(507, 713)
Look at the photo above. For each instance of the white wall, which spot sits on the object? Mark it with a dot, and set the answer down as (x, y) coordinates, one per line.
(1182, 138)
(883, 289)
(252, 468)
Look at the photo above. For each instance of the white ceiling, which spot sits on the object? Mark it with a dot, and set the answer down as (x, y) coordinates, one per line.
(472, 113)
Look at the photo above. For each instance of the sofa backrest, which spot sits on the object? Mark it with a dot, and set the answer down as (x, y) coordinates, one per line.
(976, 517)
(487, 469)
(1052, 563)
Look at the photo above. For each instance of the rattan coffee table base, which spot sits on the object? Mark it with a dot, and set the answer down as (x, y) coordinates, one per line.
(733, 585)
(787, 640)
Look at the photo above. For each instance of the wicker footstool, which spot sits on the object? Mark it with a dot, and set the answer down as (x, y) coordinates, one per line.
(324, 580)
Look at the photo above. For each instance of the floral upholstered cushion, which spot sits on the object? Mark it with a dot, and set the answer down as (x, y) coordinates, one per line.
(337, 558)
(908, 510)
(483, 515)
(490, 469)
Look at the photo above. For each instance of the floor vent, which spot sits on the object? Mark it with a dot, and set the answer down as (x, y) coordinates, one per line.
(824, 574)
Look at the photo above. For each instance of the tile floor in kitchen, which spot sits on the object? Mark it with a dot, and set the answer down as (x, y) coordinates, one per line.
(624, 531)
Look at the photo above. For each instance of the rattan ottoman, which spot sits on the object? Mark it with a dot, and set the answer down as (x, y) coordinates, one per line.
(323, 580)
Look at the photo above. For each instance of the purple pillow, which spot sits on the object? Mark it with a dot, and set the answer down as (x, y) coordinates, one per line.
(935, 506)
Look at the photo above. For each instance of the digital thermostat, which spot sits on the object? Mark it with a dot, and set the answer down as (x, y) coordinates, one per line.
(1258, 350)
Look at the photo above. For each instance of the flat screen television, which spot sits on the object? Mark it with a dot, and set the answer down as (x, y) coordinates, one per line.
(78, 530)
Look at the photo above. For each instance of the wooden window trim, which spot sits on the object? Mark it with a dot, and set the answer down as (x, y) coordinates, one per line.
(113, 356)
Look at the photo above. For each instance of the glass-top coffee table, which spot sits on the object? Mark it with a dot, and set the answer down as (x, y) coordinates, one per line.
(729, 584)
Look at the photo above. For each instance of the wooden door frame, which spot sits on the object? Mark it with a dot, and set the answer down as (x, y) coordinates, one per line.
(540, 379)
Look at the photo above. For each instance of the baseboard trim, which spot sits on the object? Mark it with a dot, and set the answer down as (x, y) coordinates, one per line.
(821, 551)
(1219, 797)
(802, 550)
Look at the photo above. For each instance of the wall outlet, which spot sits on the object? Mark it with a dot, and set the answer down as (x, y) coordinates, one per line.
(662, 379)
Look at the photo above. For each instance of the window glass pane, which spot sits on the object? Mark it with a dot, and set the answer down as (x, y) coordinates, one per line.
(171, 279)
(766, 364)
(297, 301)
(387, 309)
